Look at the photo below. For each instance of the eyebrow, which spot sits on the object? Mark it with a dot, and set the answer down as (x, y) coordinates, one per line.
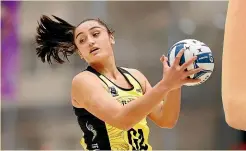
(89, 29)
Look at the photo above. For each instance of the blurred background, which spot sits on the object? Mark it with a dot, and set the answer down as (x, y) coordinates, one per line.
(36, 112)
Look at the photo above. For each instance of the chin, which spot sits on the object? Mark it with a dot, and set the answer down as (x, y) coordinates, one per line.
(100, 57)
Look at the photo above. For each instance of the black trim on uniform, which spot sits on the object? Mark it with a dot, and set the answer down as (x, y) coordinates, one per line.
(94, 129)
(128, 89)
(127, 72)
(89, 68)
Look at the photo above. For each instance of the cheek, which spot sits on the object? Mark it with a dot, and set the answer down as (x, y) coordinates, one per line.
(105, 41)
(82, 49)
(81, 53)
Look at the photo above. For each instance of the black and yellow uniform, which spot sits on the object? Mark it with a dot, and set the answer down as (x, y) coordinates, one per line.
(99, 135)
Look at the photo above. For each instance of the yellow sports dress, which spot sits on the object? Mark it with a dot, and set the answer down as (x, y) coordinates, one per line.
(98, 135)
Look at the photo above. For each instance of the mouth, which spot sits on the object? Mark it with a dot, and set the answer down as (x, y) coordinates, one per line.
(94, 49)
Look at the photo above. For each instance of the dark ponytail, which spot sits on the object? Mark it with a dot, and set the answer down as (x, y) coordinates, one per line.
(54, 38)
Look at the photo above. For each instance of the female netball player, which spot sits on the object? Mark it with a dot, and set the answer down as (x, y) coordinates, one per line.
(111, 103)
(233, 75)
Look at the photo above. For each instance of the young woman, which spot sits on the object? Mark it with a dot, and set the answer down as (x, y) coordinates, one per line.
(111, 102)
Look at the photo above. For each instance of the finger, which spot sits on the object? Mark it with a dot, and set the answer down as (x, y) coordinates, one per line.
(187, 80)
(162, 58)
(191, 72)
(189, 62)
(164, 62)
(178, 57)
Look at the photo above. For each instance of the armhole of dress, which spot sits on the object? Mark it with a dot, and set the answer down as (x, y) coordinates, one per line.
(90, 69)
(127, 72)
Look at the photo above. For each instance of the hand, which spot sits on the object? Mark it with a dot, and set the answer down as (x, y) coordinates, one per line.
(175, 76)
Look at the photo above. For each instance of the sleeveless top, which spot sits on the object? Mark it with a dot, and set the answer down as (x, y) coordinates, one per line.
(98, 135)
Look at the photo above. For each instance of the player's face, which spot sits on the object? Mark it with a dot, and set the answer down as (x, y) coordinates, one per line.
(93, 41)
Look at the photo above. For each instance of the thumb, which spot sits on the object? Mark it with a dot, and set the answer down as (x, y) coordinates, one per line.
(162, 58)
(165, 62)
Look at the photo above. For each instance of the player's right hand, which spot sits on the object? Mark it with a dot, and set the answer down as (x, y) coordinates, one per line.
(176, 76)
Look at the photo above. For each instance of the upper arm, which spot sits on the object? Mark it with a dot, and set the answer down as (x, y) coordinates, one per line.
(233, 76)
(90, 94)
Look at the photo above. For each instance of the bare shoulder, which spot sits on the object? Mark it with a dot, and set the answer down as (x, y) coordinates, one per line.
(82, 83)
(84, 78)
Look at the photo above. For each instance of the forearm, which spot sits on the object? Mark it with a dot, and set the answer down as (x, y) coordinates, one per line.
(136, 110)
(166, 113)
(171, 108)
(233, 76)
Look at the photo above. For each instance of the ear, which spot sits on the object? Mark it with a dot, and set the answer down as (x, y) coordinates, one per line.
(112, 39)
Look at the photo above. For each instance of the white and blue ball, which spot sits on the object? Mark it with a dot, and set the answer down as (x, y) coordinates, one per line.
(193, 47)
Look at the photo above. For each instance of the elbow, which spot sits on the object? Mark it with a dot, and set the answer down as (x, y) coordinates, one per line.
(124, 123)
(167, 124)
(125, 126)
(230, 120)
(234, 110)
(234, 118)
(234, 121)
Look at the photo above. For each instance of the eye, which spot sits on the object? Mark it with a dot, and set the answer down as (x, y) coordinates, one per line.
(82, 40)
(95, 34)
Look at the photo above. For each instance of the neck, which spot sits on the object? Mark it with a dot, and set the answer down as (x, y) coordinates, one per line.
(107, 68)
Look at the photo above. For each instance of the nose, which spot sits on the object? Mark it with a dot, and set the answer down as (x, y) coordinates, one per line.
(91, 41)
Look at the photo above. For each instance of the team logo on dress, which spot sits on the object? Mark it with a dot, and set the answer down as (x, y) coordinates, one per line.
(91, 129)
(113, 91)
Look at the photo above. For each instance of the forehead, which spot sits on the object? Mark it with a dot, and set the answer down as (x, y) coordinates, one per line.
(86, 26)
